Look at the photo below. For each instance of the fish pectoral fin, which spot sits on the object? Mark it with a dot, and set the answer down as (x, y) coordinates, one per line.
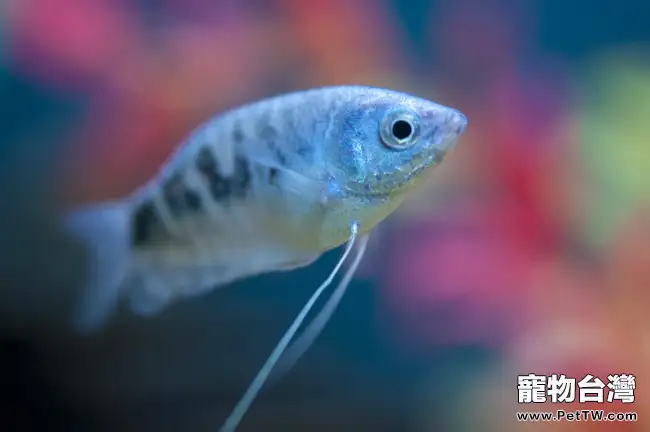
(293, 182)
(304, 186)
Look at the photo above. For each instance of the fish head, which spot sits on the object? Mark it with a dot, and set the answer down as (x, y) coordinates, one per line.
(381, 145)
(385, 142)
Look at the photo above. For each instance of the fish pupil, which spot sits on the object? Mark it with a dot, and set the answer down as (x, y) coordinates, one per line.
(402, 129)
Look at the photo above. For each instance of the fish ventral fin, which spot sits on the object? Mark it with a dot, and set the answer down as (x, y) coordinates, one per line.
(235, 417)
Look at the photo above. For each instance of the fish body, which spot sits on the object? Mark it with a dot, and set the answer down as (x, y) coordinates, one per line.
(268, 186)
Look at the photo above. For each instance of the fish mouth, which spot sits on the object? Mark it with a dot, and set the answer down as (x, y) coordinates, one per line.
(399, 184)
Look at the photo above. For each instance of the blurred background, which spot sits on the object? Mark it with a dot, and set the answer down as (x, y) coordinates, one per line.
(528, 251)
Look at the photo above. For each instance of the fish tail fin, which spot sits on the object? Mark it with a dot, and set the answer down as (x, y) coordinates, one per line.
(105, 233)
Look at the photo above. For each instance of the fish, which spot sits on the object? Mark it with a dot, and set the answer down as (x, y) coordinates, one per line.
(265, 187)
(269, 186)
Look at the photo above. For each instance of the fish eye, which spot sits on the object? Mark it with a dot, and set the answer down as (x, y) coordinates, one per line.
(399, 129)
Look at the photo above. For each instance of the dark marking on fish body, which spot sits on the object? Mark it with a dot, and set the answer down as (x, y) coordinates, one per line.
(147, 225)
(269, 136)
(193, 200)
(273, 176)
(241, 179)
(237, 133)
(224, 188)
(180, 198)
(279, 155)
(205, 162)
(207, 165)
(266, 132)
(303, 149)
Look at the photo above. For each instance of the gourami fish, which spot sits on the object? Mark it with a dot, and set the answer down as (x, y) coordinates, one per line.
(269, 186)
